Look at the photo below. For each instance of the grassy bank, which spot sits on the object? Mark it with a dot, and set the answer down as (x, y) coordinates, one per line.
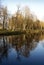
(6, 32)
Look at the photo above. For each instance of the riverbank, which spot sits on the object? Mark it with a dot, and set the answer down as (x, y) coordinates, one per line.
(6, 32)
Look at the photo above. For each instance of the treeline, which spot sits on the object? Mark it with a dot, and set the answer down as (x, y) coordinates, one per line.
(20, 20)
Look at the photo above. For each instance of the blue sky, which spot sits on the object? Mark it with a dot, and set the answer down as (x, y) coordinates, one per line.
(36, 6)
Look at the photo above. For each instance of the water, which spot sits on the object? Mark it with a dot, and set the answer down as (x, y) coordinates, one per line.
(22, 49)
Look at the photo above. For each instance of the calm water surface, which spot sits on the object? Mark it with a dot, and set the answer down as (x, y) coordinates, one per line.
(22, 49)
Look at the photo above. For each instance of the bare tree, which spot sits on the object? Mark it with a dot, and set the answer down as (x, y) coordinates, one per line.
(5, 17)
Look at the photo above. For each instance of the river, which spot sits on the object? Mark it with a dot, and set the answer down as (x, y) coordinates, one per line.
(22, 49)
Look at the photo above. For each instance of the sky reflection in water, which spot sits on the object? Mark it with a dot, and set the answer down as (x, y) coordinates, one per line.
(22, 49)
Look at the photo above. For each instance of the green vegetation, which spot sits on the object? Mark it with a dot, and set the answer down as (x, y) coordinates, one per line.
(6, 32)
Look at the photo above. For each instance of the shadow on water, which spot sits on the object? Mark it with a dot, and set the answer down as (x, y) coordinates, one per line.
(4, 48)
(23, 45)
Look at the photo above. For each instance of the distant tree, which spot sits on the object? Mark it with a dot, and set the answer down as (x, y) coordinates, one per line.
(5, 14)
(36, 24)
(28, 18)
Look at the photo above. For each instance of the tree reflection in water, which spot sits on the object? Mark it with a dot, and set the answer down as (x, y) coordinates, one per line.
(23, 44)
(4, 49)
